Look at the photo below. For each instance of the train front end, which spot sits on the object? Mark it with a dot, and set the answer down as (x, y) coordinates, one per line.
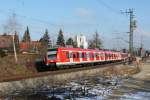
(51, 57)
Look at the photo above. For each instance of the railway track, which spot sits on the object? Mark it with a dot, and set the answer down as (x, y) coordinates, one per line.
(42, 74)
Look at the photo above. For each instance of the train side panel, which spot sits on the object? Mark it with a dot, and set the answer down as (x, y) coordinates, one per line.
(73, 56)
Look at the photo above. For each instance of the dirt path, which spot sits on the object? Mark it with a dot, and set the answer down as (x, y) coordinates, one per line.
(144, 74)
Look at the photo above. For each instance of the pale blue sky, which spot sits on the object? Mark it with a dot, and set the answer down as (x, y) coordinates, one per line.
(80, 16)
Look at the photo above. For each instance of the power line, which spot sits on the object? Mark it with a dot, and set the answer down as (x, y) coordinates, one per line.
(111, 9)
(31, 18)
(108, 7)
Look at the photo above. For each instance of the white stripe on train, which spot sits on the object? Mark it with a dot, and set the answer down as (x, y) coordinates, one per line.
(83, 62)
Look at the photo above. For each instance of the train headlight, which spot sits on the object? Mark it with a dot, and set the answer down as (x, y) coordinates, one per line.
(47, 64)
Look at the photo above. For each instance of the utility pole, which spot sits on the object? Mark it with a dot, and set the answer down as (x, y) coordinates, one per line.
(132, 26)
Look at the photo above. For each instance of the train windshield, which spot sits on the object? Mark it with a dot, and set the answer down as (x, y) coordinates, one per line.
(52, 54)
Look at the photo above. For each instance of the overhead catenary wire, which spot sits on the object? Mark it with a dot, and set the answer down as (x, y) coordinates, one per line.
(47, 23)
(31, 18)
(108, 7)
(112, 9)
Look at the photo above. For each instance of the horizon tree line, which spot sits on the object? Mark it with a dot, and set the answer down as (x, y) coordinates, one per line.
(46, 42)
(94, 42)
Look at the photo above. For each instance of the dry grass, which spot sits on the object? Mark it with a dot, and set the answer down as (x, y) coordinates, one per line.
(121, 70)
(25, 65)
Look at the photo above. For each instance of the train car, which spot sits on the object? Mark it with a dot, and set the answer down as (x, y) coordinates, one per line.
(58, 57)
(124, 56)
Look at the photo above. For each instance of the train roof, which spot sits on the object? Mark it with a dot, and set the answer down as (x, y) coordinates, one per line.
(80, 49)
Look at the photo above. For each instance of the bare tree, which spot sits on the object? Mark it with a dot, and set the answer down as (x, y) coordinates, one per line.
(95, 42)
(11, 24)
(11, 27)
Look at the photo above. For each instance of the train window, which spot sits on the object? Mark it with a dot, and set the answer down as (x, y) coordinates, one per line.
(54, 49)
(105, 55)
(97, 55)
(84, 55)
(52, 57)
(74, 55)
(94, 55)
(70, 55)
(91, 55)
(77, 55)
(87, 55)
(101, 55)
(67, 55)
(110, 55)
(80, 55)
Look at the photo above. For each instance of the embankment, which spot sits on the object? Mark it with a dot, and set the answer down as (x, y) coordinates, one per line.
(144, 73)
(117, 70)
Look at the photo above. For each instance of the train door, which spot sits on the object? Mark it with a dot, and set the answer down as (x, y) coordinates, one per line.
(91, 54)
(106, 56)
(97, 56)
(114, 56)
(102, 56)
(80, 56)
(75, 57)
(84, 56)
(70, 56)
(111, 55)
(119, 56)
(88, 56)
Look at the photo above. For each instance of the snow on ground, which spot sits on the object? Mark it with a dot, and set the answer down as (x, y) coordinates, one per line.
(91, 88)
(136, 96)
(99, 88)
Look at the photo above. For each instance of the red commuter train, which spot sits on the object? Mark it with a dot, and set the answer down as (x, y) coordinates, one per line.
(58, 57)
